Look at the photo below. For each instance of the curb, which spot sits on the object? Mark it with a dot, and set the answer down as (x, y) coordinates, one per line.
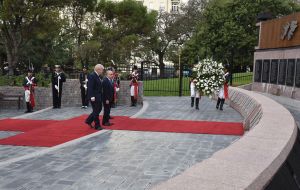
(141, 111)
(33, 113)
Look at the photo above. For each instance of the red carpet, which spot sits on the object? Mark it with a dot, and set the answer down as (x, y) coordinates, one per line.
(50, 133)
(23, 125)
(177, 126)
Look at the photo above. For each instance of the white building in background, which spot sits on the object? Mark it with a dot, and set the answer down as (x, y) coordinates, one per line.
(162, 5)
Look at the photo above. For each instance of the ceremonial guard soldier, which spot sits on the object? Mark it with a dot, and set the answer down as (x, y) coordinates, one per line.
(195, 94)
(116, 84)
(134, 86)
(29, 83)
(223, 93)
(58, 78)
(83, 78)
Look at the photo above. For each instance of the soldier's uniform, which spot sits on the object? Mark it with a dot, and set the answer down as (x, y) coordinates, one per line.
(58, 78)
(195, 94)
(134, 86)
(83, 79)
(223, 92)
(29, 83)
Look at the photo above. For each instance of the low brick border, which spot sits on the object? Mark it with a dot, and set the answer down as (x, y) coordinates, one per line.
(251, 161)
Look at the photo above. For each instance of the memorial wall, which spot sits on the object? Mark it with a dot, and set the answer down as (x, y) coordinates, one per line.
(277, 57)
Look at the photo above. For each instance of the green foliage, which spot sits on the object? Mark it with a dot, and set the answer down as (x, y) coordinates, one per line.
(121, 28)
(42, 80)
(228, 31)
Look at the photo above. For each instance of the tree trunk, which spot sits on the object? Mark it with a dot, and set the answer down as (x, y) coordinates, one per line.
(161, 65)
(12, 59)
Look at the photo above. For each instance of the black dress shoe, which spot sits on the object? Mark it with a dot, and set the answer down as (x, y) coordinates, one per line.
(107, 124)
(98, 128)
(89, 124)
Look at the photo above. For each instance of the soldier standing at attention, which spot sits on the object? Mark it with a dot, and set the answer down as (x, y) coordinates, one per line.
(57, 79)
(83, 78)
(195, 94)
(134, 86)
(29, 83)
(223, 93)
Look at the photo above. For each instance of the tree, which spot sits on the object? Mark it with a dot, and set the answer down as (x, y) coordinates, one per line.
(21, 21)
(80, 13)
(174, 29)
(120, 28)
(228, 31)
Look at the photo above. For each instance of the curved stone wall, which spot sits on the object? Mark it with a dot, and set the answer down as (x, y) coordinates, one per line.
(253, 160)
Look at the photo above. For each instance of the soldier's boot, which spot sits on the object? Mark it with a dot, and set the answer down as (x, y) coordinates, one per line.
(132, 101)
(218, 103)
(28, 106)
(197, 103)
(135, 102)
(222, 103)
(192, 101)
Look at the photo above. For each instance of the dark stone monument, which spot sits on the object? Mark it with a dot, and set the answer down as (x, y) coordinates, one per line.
(290, 74)
(282, 71)
(297, 78)
(274, 71)
(266, 71)
(258, 71)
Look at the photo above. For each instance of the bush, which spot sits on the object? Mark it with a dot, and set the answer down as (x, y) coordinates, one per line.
(18, 80)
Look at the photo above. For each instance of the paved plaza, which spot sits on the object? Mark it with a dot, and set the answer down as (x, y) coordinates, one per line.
(117, 159)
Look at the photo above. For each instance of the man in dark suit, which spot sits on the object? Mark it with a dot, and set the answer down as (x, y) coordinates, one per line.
(83, 79)
(95, 96)
(108, 93)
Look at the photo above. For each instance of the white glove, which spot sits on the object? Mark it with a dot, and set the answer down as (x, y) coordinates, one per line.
(59, 77)
(93, 99)
(117, 89)
(56, 87)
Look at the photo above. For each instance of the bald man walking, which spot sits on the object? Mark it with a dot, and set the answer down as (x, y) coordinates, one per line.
(95, 96)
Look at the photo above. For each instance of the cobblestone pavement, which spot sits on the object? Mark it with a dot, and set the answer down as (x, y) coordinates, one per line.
(5, 113)
(179, 108)
(121, 159)
(70, 112)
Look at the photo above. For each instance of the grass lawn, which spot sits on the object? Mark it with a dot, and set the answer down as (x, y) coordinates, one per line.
(170, 87)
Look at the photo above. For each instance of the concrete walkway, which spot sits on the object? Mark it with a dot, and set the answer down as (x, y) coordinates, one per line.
(291, 104)
(121, 159)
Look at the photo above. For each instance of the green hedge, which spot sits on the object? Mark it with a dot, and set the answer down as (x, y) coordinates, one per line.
(18, 80)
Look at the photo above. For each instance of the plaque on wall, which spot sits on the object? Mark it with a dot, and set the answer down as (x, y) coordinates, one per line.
(297, 78)
(258, 69)
(266, 71)
(274, 71)
(290, 73)
(282, 71)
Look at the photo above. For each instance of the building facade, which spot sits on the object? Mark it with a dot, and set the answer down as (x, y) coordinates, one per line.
(277, 57)
(162, 5)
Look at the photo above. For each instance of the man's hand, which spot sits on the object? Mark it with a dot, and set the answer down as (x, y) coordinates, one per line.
(93, 99)
(56, 87)
(107, 101)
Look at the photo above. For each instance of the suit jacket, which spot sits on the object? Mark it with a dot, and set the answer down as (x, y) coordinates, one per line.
(94, 87)
(108, 90)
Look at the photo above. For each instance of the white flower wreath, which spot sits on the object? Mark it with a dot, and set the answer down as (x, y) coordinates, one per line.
(209, 76)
